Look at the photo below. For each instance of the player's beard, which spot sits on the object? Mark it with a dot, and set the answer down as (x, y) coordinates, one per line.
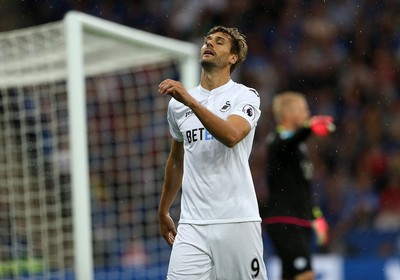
(212, 64)
(208, 66)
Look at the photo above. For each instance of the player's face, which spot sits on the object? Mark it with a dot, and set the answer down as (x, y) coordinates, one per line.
(216, 51)
(303, 112)
(299, 112)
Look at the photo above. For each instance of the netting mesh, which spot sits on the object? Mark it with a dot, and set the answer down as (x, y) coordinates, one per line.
(128, 145)
(35, 210)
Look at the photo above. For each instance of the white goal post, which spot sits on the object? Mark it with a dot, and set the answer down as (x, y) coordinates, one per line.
(49, 76)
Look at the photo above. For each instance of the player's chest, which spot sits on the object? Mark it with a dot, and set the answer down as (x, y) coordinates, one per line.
(219, 106)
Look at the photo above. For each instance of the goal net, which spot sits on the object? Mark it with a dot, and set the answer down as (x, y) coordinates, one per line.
(84, 141)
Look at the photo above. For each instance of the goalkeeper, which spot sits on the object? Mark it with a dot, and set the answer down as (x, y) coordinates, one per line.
(290, 215)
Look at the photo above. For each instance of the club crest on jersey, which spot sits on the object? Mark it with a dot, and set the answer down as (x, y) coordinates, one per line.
(226, 106)
(249, 111)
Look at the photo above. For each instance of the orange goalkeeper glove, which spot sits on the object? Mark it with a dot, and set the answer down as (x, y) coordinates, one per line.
(320, 227)
(321, 125)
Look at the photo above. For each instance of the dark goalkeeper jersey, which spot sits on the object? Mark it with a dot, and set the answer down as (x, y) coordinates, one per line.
(289, 172)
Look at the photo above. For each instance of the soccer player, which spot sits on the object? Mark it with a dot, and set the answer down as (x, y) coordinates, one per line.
(290, 212)
(212, 127)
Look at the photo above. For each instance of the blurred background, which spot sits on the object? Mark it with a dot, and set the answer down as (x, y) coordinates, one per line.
(344, 55)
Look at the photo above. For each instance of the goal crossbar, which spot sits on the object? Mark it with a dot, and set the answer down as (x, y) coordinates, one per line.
(119, 56)
(158, 48)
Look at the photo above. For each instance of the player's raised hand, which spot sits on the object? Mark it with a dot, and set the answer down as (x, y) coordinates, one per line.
(168, 229)
(322, 125)
(176, 90)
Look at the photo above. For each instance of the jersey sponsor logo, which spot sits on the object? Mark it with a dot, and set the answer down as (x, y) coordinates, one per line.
(198, 134)
(249, 111)
(226, 106)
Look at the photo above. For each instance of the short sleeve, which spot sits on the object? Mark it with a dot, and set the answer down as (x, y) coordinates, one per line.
(173, 126)
(248, 106)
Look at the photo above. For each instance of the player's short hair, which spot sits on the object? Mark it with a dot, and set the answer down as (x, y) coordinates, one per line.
(238, 42)
(282, 101)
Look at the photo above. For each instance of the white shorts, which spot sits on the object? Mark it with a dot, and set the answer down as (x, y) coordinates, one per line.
(218, 251)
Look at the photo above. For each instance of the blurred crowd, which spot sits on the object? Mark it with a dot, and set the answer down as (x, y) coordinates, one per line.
(344, 55)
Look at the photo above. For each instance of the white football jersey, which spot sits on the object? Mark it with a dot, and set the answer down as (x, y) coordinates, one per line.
(217, 185)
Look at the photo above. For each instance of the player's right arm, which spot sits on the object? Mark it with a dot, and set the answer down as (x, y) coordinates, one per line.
(229, 132)
(171, 186)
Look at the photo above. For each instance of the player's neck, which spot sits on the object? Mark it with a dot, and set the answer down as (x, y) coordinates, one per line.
(286, 126)
(214, 79)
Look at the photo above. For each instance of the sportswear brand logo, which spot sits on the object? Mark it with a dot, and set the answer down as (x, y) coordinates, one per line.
(188, 113)
(226, 107)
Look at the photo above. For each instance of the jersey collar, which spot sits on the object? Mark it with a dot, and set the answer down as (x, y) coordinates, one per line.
(283, 132)
(218, 89)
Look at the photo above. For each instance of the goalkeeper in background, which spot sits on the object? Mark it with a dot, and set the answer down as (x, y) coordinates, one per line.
(289, 214)
(212, 127)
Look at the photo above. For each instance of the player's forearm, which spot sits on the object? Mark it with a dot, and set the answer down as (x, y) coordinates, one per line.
(172, 184)
(221, 129)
